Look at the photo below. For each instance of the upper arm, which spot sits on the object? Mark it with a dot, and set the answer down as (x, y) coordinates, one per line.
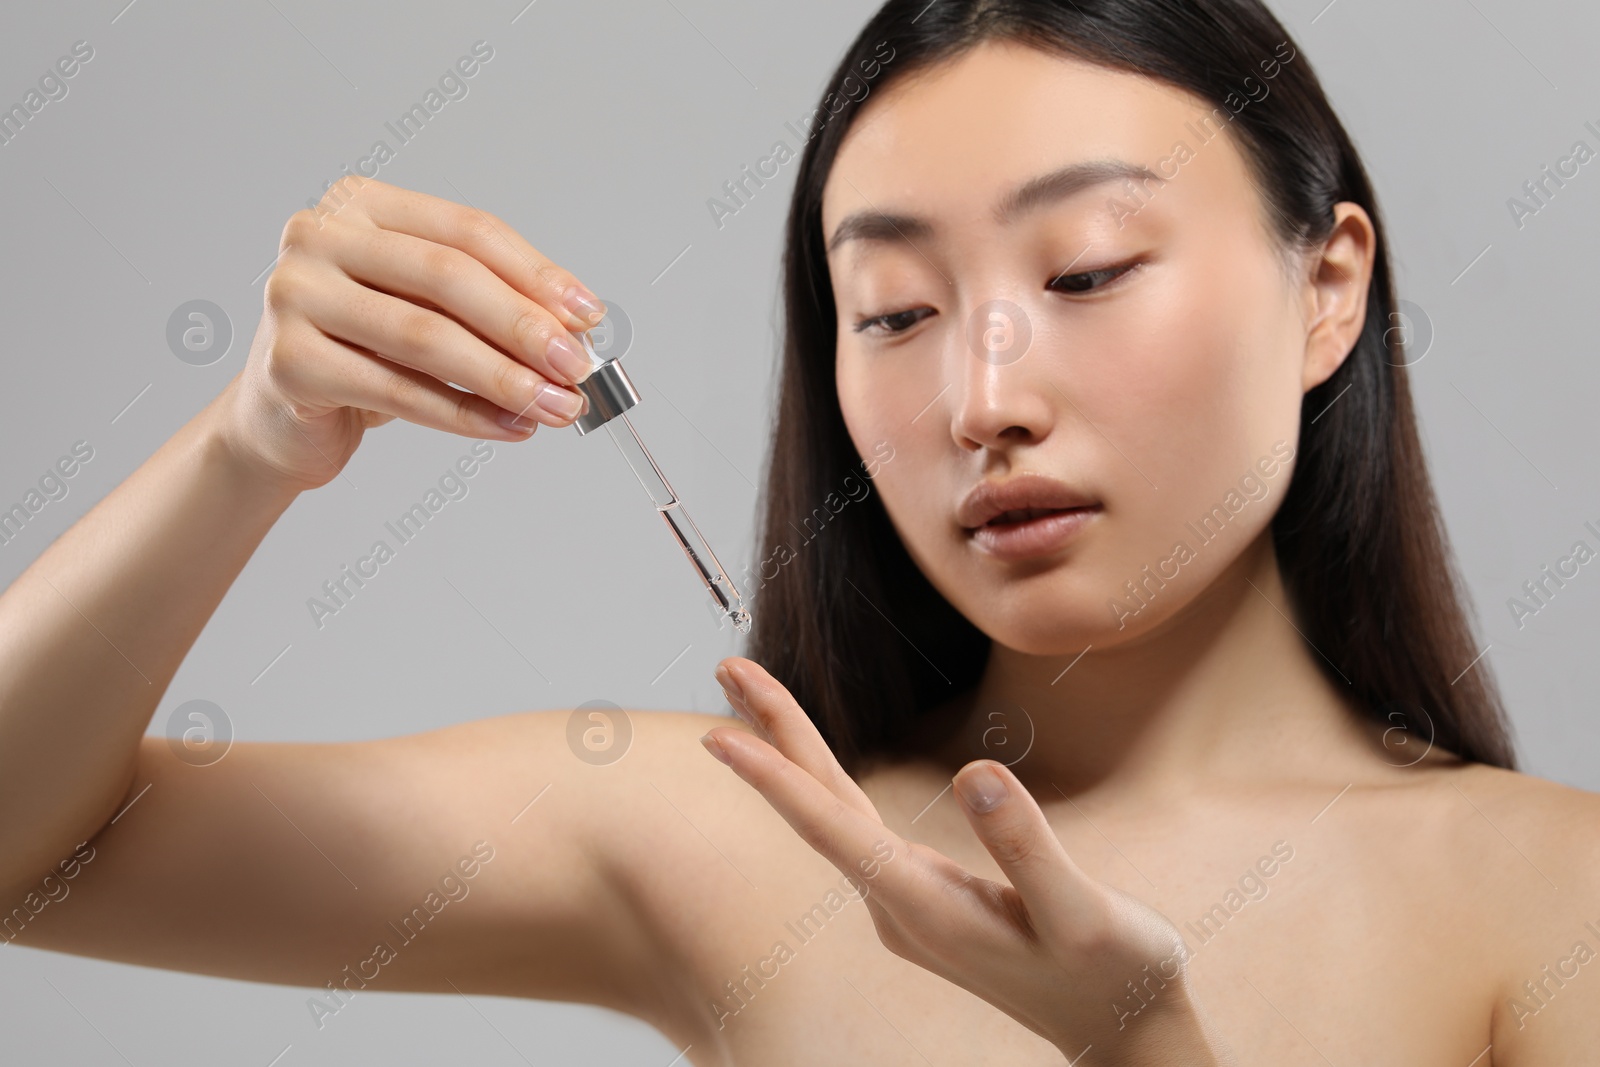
(421, 862)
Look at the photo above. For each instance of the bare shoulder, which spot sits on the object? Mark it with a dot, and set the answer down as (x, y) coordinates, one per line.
(693, 860)
(1533, 863)
(666, 819)
(1513, 845)
(1548, 798)
(1556, 825)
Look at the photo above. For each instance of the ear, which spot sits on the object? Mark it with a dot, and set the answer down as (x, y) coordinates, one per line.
(1335, 294)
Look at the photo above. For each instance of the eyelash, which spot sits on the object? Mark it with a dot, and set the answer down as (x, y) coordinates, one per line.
(1111, 273)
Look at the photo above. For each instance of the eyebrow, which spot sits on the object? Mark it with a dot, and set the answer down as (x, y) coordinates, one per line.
(878, 226)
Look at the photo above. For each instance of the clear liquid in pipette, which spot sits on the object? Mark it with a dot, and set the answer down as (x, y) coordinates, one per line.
(730, 604)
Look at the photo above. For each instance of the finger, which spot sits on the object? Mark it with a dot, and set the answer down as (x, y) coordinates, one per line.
(925, 905)
(449, 279)
(326, 374)
(491, 242)
(856, 843)
(766, 704)
(435, 344)
(1012, 827)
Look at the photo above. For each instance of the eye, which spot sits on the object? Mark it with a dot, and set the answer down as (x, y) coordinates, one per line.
(894, 322)
(1090, 280)
(898, 322)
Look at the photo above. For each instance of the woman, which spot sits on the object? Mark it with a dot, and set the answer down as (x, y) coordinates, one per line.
(1095, 295)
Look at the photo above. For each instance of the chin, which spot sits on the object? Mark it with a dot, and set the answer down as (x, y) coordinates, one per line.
(1062, 609)
(1050, 614)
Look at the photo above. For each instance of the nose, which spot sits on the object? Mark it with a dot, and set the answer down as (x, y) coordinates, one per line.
(1001, 392)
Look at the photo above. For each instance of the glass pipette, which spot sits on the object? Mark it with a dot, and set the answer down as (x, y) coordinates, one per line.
(610, 394)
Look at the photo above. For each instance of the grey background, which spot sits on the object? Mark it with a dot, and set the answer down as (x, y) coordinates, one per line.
(599, 130)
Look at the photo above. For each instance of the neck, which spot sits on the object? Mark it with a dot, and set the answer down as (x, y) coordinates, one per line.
(1225, 689)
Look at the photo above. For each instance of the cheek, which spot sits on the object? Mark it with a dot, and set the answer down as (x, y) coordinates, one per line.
(918, 487)
(868, 411)
(918, 513)
(1202, 375)
(1192, 389)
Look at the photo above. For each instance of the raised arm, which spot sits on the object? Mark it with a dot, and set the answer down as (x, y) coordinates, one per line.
(93, 630)
(288, 862)
(380, 298)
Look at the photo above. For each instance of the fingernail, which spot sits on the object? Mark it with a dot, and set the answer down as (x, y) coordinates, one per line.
(568, 361)
(512, 421)
(584, 304)
(714, 747)
(562, 403)
(730, 687)
(981, 788)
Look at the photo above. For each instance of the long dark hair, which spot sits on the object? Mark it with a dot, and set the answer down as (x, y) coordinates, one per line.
(846, 620)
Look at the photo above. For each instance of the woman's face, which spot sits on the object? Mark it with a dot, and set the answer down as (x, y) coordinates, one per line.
(1143, 346)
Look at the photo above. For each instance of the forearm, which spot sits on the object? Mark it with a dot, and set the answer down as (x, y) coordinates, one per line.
(92, 632)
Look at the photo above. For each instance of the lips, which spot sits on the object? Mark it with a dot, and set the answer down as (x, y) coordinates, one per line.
(1034, 538)
(1022, 515)
(1025, 516)
(1017, 499)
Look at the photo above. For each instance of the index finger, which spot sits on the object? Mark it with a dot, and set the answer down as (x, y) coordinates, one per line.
(491, 242)
(857, 844)
(760, 697)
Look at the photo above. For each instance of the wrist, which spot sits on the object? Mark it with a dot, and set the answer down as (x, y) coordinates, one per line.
(1177, 1034)
(225, 440)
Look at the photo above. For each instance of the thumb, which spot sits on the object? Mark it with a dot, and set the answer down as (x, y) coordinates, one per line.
(1009, 822)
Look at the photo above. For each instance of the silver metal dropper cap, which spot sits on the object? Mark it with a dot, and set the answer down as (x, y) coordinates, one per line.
(610, 393)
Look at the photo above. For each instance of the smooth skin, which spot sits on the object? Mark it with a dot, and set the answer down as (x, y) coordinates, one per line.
(1370, 899)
